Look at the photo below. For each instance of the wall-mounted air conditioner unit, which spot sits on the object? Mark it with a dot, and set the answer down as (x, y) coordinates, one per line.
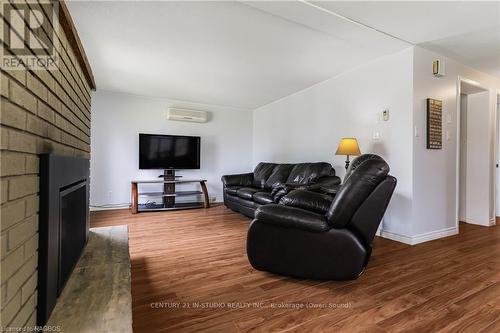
(187, 115)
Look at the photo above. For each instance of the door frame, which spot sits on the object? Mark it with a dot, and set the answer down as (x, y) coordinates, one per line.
(460, 80)
(497, 157)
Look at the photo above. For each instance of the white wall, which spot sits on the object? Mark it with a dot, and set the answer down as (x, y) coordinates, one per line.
(434, 171)
(308, 125)
(226, 143)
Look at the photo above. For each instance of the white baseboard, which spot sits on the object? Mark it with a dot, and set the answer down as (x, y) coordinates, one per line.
(421, 238)
(490, 223)
(396, 237)
(95, 209)
(428, 236)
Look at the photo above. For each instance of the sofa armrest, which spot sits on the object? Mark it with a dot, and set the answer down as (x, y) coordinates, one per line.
(325, 183)
(244, 179)
(312, 201)
(291, 217)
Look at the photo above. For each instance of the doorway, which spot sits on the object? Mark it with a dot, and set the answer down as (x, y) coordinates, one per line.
(473, 155)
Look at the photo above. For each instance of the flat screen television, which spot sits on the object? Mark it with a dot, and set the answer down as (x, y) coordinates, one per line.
(173, 152)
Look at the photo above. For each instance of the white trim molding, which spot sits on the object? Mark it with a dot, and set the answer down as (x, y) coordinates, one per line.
(109, 207)
(421, 238)
(490, 223)
(396, 237)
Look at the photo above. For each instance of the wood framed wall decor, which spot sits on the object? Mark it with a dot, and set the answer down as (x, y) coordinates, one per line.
(434, 124)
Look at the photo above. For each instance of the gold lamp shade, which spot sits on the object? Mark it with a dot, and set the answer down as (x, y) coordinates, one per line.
(348, 146)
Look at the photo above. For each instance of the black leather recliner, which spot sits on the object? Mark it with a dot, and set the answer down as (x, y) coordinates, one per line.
(269, 182)
(309, 236)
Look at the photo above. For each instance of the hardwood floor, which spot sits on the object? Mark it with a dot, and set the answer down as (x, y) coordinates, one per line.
(189, 266)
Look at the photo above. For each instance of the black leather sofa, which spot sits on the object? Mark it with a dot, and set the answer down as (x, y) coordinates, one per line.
(269, 182)
(323, 236)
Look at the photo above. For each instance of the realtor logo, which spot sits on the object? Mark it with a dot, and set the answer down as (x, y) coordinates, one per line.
(29, 34)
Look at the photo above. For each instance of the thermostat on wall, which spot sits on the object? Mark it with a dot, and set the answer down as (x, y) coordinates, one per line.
(438, 68)
(385, 115)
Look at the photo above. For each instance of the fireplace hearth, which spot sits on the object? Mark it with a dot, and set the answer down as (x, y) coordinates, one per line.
(63, 227)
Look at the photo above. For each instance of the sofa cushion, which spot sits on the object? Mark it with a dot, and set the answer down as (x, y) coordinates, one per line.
(261, 173)
(330, 190)
(263, 198)
(232, 189)
(242, 202)
(313, 201)
(306, 173)
(280, 190)
(279, 175)
(247, 192)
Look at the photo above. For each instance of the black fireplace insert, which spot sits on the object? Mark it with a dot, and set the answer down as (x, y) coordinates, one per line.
(64, 225)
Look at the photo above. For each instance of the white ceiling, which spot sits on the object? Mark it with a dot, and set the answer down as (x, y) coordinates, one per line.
(250, 54)
(214, 52)
(467, 31)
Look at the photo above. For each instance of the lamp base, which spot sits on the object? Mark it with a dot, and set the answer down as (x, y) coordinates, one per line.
(347, 163)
